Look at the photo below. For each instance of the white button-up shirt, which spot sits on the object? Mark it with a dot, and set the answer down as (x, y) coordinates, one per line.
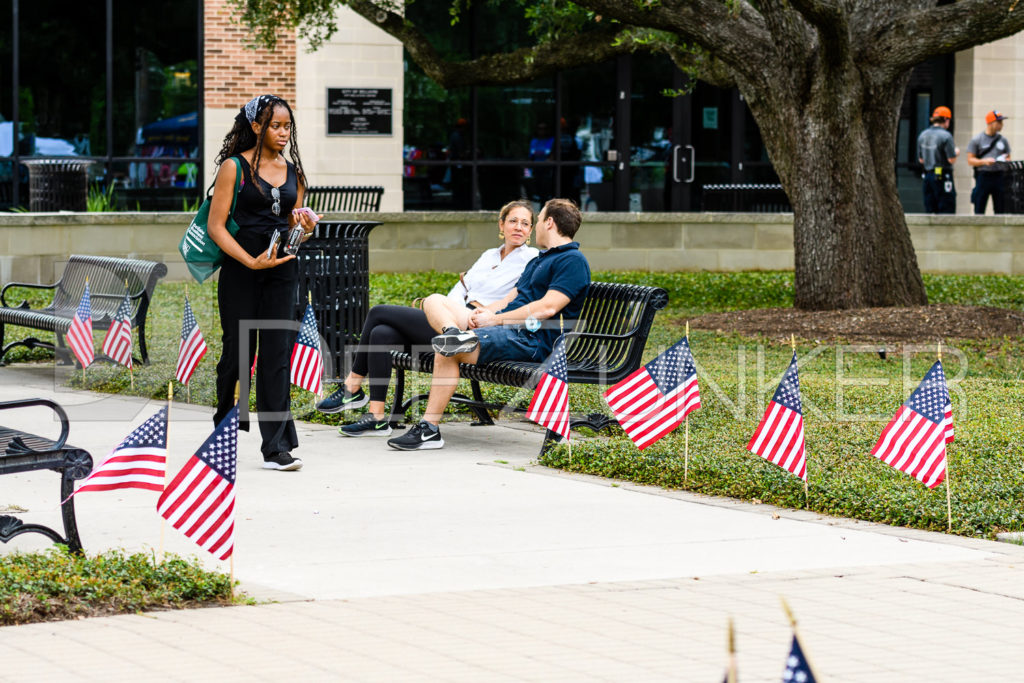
(491, 277)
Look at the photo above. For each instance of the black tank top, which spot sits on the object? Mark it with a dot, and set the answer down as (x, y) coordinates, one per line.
(253, 211)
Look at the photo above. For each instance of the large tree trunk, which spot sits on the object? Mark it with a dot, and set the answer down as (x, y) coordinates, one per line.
(833, 147)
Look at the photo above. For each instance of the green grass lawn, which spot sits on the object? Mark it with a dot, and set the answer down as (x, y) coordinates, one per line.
(849, 394)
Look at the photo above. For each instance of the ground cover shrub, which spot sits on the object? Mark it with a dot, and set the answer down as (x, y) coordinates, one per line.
(55, 585)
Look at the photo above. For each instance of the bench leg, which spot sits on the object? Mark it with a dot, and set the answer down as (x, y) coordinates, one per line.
(67, 512)
(550, 437)
(142, 345)
(398, 407)
(483, 418)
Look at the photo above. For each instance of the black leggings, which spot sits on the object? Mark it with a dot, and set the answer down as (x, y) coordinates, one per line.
(389, 327)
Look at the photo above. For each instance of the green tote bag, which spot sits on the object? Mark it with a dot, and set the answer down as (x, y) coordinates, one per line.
(202, 255)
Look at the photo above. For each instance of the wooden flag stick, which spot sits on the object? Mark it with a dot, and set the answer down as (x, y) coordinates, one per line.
(131, 370)
(949, 495)
(731, 674)
(232, 565)
(163, 522)
(686, 432)
(568, 439)
(807, 502)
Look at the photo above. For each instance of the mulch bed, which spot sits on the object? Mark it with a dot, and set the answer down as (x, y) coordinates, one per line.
(914, 324)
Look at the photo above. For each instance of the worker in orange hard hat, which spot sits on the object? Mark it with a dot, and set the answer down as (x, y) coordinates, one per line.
(937, 153)
(987, 153)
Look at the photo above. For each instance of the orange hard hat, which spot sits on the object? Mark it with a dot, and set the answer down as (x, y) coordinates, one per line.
(942, 113)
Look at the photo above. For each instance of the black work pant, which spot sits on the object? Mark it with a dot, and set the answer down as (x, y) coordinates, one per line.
(265, 301)
(988, 184)
(402, 328)
(939, 193)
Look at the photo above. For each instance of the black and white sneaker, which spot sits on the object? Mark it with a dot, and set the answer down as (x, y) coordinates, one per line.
(453, 341)
(343, 399)
(283, 462)
(421, 437)
(367, 425)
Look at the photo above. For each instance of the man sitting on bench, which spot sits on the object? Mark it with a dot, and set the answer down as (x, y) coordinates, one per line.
(548, 298)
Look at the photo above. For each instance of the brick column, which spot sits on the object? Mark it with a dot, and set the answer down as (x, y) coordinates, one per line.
(234, 74)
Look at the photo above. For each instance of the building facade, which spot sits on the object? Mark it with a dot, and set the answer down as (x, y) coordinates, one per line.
(152, 108)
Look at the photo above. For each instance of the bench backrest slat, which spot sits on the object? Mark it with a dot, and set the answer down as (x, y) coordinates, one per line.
(324, 199)
(613, 308)
(107, 277)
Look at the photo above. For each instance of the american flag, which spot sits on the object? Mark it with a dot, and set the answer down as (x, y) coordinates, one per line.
(307, 362)
(798, 669)
(779, 438)
(915, 439)
(79, 335)
(139, 462)
(118, 342)
(656, 398)
(191, 348)
(550, 405)
(200, 501)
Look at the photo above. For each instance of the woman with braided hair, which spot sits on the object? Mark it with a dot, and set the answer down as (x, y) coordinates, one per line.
(257, 288)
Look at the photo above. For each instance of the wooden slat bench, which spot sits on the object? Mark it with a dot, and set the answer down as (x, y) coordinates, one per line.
(324, 199)
(607, 345)
(107, 277)
(24, 452)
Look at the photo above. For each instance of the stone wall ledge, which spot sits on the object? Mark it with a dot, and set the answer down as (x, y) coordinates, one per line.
(33, 246)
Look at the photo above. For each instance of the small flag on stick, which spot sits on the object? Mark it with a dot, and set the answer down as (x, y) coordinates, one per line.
(79, 335)
(550, 405)
(200, 500)
(307, 361)
(914, 441)
(138, 462)
(779, 437)
(118, 342)
(192, 346)
(798, 664)
(655, 399)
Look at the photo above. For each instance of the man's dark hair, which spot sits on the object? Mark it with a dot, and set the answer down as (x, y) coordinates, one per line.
(566, 215)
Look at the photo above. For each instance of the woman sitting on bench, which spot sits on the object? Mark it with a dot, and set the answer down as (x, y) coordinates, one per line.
(488, 284)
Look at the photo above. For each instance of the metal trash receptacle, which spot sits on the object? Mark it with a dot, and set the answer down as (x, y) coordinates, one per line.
(57, 184)
(334, 268)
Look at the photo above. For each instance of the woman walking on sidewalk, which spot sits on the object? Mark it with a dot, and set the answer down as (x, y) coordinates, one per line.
(258, 283)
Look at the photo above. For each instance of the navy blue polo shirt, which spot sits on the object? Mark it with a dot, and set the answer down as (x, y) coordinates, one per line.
(563, 268)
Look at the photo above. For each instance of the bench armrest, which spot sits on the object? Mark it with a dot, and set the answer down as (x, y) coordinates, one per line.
(24, 303)
(65, 426)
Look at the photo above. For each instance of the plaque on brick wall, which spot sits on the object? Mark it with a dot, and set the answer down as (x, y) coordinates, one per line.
(359, 111)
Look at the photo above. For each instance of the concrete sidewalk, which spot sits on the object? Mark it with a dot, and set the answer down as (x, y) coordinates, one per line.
(468, 563)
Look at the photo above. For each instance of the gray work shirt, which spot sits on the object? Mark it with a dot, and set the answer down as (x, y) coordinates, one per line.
(982, 141)
(935, 146)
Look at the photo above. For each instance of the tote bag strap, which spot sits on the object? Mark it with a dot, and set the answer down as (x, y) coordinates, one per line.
(238, 183)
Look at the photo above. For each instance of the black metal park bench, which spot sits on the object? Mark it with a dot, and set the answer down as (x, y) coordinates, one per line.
(24, 452)
(355, 199)
(606, 346)
(107, 277)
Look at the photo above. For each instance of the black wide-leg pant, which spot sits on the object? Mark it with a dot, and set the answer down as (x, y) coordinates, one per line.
(264, 300)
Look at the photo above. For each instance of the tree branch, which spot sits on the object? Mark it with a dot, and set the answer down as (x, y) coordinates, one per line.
(826, 15)
(912, 38)
(524, 64)
(734, 32)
